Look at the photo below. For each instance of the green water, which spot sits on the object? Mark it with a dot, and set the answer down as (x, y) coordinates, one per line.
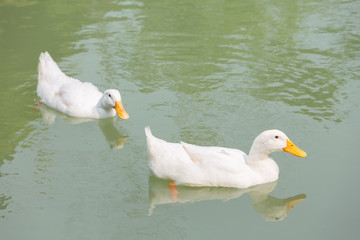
(204, 72)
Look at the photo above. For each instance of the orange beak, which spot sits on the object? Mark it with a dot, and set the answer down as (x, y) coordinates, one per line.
(120, 110)
(291, 148)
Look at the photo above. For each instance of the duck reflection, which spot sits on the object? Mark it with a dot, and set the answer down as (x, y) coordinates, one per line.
(113, 136)
(270, 208)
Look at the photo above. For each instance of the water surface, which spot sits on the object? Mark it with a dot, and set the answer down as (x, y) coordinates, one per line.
(204, 72)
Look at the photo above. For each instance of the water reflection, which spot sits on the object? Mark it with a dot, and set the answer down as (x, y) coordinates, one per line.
(115, 138)
(19, 3)
(4, 201)
(312, 90)
(301, 63)
(269, 207)
(274, 51)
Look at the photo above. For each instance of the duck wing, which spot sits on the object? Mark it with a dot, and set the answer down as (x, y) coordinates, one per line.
(219, 158)
(77, 98)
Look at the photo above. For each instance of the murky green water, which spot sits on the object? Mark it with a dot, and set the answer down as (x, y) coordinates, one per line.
(204, 72)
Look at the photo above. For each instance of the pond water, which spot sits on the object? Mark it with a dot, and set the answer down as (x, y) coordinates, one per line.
(204, 72)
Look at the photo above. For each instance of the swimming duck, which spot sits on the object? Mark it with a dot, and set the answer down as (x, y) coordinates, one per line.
(73, 97)
(192, 165)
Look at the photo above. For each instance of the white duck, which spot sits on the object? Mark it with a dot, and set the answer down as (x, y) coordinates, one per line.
(73, 97)
(192, 165)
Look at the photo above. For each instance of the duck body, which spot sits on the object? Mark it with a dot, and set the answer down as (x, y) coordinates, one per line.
(73, 97)
(192, 165)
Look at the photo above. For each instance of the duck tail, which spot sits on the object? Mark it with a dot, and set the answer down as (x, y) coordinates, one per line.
(151, 142)
(148, 132)
(47, 68)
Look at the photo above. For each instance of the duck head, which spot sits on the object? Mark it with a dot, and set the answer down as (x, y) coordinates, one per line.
(112, 99)
(274, 140)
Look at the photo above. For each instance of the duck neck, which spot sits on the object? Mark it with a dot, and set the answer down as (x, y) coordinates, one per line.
(263, 165)
(102, 103)
(103, 109)
(257, 154)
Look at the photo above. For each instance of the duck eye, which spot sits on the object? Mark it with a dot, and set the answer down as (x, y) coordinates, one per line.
(109, 95)
(276, 137)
